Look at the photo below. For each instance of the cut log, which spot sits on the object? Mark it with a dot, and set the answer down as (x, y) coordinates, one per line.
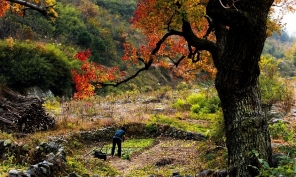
(24, 114)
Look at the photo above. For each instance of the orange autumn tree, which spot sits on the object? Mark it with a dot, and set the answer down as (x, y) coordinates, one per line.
(225, 38)
(91, 74)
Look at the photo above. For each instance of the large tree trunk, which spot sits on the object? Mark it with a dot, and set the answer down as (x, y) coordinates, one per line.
(246, 129)
(241, 42)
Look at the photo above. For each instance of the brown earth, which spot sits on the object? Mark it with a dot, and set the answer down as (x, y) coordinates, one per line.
(166, 152)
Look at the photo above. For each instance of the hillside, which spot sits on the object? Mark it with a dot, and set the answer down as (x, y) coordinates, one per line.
(88, 24)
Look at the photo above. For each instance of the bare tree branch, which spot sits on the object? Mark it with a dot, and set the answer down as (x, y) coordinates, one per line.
(146, 64)
(41, 9)
(193, 40)
(178, 62)
(211, 26)
(190, 37)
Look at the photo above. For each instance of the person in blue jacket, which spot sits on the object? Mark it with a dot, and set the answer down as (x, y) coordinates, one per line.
(118, 138)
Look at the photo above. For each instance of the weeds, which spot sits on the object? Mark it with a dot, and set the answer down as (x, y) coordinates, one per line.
(287, 166)
(280, 130)
(180, 124)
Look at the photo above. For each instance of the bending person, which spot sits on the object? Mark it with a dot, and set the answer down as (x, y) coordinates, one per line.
(118, 138)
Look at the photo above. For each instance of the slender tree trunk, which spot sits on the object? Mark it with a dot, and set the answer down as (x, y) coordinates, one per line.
(237, 83)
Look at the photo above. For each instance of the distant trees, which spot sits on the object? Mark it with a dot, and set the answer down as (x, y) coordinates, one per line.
(277, 45)
(123, 8)
(80, 26)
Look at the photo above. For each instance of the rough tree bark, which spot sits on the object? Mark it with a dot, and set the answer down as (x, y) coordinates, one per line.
(241, 33)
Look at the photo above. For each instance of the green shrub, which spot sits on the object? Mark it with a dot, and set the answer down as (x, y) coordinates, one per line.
(213, 104)
(204, 110)
(287, 167)
(280, 130)
(26, 64)
(151, 127)
(179, 105)
(84, 39)
(273, 88)
(179, 124)
(199, 98)
(195, 108)
(217, 133)
(203, 105)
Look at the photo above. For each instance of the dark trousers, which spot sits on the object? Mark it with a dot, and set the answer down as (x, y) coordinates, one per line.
(116, 141)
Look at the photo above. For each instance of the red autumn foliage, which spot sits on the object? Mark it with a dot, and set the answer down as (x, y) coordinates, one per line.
(92, 75)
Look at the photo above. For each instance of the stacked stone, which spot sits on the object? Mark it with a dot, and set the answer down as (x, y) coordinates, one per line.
(54, 155)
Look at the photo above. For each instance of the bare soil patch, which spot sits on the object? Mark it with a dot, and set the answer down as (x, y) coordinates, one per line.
(166, 152)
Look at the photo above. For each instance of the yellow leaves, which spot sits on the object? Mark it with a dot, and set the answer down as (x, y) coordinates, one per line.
(278, 10)
(269, 66)
(10, 42)
(37, 2)
(50, 7)
(17, 8)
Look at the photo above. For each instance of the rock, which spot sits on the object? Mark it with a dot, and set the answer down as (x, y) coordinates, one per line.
(7, 142)
(13, 173)
(188, 175)
(72, 175)
(206, 173)
(50, 157)
(275, 112)
(176, 174)
(276, 158)
(25, 148)
(274, 120)
(220, 173)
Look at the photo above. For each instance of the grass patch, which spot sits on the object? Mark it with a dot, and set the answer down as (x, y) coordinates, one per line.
(81, 165)
(213, 157)
(209, 117)
(5, 136)
(180, 124)
(131, 146)
(161, 171)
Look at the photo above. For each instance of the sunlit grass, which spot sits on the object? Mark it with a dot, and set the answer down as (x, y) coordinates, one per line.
(166, 170)
(180, 124)
(81, 165)
(131, 146)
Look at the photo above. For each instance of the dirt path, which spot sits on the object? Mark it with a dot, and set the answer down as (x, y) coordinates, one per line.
(166, 152)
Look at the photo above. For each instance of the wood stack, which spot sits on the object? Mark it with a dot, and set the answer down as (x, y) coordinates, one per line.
(23, 114)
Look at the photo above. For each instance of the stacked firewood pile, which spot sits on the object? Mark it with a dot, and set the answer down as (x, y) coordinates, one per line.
(23, 114)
